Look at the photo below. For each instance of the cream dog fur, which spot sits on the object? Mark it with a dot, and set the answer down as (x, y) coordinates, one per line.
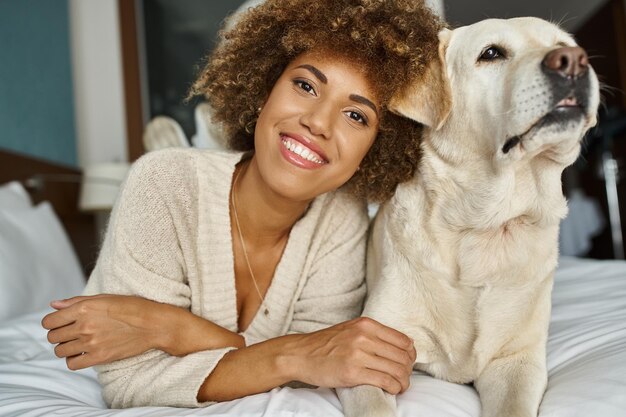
(462, 258)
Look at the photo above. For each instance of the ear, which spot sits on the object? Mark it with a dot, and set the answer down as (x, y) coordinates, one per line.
(429, 99)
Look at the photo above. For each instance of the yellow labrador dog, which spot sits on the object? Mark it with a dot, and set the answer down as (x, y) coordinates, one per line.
(462, 258)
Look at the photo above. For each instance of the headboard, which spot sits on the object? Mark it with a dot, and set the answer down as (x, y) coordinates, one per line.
(63, 195)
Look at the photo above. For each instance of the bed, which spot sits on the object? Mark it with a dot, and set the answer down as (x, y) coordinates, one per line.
(586, 347)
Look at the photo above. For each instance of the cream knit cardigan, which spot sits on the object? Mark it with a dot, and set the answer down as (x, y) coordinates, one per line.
(169, 240)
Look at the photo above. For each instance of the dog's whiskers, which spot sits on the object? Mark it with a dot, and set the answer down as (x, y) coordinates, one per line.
(563, 20)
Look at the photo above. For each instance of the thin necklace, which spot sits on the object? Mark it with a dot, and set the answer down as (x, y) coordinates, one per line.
(266, 311)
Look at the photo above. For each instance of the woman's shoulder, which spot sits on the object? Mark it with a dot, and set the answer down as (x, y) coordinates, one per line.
(170, 159)
(177, 175)
(175, 166)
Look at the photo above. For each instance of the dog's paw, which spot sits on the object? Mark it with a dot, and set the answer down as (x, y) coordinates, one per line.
(367, 401)
(370, 410)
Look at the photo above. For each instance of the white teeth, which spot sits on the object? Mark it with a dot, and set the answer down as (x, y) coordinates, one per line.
(300, 150)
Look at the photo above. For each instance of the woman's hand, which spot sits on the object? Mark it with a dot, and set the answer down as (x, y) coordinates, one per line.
(356, 352)
(94, 330)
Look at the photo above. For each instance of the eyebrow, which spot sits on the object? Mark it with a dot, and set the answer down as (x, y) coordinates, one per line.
(319, 74)
(363, 100)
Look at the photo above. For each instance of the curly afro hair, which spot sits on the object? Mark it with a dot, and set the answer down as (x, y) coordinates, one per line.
(393, 40)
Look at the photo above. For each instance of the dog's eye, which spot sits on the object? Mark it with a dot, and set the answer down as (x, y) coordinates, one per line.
(491, 53)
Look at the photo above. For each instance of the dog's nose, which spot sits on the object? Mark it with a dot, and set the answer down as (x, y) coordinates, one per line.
(568, 62)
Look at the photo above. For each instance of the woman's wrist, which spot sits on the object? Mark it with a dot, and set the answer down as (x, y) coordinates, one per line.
(170, 323)
(251, 370)
(289, 361)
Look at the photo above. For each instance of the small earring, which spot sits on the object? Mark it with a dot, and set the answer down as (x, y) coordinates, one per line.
(259, 109)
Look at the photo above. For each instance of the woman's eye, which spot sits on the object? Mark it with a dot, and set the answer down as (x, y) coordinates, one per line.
(491, 53)
(303, 85)
(357, 117)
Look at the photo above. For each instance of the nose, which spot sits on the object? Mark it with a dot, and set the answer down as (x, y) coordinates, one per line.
(318, 120)
(568, 62)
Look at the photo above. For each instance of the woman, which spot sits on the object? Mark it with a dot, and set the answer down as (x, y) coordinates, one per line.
(245, 269)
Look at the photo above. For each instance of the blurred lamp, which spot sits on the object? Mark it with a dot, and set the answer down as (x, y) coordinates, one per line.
(100, 185)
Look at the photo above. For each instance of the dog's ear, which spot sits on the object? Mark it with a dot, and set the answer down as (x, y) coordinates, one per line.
(429, 99)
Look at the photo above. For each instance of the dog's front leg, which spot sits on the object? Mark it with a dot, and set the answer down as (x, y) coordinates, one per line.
(512, 386)
(366, 401)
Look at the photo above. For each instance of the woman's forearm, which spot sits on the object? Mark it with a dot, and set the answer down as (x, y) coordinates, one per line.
(356, 352)
(250, 370)
(185, 333)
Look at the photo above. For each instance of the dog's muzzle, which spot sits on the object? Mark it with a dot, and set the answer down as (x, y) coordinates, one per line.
(567, 71)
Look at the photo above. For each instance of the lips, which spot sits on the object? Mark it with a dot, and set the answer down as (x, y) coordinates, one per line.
(568, 102)
(301, 151)
(567, 109)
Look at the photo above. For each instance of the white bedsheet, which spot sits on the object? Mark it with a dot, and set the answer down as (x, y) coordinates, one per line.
(586, 362)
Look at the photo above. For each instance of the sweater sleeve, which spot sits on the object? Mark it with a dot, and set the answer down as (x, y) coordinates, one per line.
(335, 288)
(143, 254)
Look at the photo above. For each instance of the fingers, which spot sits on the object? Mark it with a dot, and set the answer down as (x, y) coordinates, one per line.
(388, 351)
(395, 345)
(398, 372)
(59, 319)
(392, 336)
(73, 308)
(71, 348)
(80, 361)
(63, 334)
(381, 380)
(59, 304)
(77, 354)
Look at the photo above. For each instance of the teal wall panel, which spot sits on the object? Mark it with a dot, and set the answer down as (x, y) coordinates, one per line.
(36, 99)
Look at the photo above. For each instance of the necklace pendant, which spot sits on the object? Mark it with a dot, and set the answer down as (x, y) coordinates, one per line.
(266, 312)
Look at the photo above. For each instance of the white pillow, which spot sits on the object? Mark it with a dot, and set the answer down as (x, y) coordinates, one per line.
(14, 196)
(37, 262)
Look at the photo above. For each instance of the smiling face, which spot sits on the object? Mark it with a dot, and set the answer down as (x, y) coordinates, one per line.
(316, 126)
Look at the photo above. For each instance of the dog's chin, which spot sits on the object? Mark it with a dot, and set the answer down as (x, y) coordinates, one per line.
(562, 118)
